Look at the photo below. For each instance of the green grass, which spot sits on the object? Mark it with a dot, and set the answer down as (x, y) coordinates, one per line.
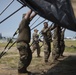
(70, 45)
(12, 57)
(70, 49)
(11, 61)
(4, 44)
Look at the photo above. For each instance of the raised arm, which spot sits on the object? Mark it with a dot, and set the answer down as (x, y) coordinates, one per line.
(27, 15)
(64, 29)
(53, 26)
(33, 15)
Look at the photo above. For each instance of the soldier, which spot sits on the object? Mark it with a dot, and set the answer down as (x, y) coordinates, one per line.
(35, 42)
(23, 42)
(47, 38)
(62, 42)
(56, 43)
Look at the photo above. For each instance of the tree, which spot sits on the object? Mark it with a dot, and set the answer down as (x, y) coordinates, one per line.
(0, 36)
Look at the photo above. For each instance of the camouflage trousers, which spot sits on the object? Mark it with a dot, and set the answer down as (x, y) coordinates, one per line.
(25, 56)
(47, 50)
(62, 44)
(56, 49)
(36, 46)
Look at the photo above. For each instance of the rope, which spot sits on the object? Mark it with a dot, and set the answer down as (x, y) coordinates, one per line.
(11, 14)
(7, 6)
(38, 24)
(34, 22)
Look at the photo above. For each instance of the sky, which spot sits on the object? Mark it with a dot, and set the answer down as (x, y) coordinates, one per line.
(8, 27)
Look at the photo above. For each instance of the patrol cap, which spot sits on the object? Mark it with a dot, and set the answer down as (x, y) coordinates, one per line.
(36, 30)
(45, 23)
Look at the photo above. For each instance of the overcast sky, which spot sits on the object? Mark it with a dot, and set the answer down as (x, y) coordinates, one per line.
(8, 27)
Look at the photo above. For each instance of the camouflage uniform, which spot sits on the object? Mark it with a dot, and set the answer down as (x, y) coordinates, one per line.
(23, 45)
(35, 42)
(56, 43)
(46, 32)
(62, 42)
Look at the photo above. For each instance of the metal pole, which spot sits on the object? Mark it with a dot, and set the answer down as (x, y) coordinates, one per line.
(7, 6)
(4, 52)
(20, 2)
(11, 14)
(34, 22)
(38, 24)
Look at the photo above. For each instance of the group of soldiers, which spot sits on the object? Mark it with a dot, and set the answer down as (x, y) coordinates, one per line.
(24, 38)
(58, 41)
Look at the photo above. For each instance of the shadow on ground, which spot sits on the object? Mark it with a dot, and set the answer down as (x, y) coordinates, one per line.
(67, 66)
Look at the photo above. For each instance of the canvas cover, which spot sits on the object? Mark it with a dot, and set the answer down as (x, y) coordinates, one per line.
(57, 11)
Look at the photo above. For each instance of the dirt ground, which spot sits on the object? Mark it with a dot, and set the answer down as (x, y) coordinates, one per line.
(64, 66)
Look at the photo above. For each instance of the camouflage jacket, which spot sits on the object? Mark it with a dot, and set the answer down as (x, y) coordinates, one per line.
(46, 32)
(35, 37)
